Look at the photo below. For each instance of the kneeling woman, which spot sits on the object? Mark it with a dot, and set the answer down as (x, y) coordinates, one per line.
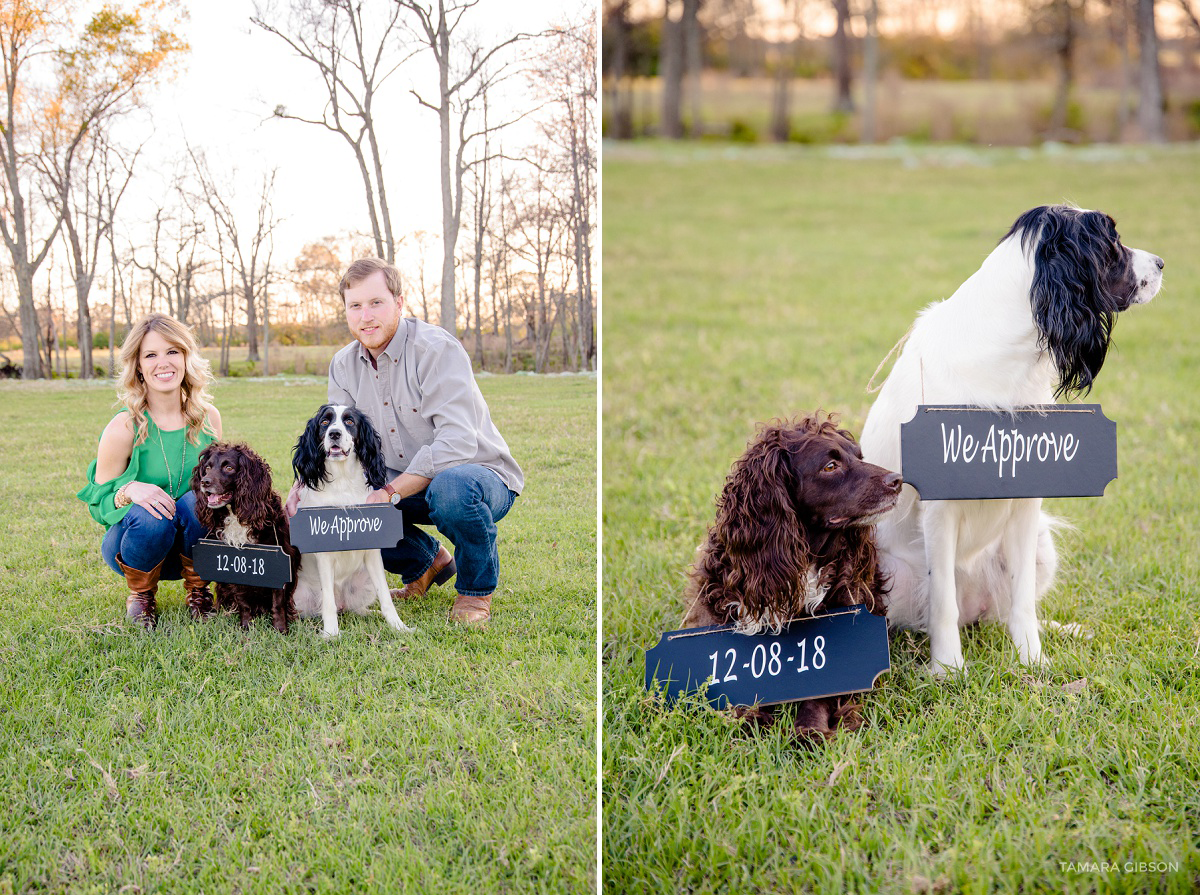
(139, 484)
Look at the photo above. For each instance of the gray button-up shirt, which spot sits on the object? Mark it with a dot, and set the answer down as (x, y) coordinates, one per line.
(425, 403)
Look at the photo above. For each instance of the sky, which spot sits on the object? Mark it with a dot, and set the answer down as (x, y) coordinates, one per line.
(221, 102)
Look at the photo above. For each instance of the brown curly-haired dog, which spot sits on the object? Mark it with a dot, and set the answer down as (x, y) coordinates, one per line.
(794, 536)
(235, 502)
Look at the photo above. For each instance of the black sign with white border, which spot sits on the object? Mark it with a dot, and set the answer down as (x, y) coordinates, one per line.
(255, 565)
(1044, 450)
(364, 526)
(826, 655)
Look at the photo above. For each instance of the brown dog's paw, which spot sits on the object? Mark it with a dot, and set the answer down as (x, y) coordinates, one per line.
(848, 716)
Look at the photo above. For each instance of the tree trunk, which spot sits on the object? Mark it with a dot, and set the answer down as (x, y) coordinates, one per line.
(251, 322)
(622, 118)
(843, 101)
(31, 368)
(1065, 54)
(1150, 91)
(83, 325)
(671, 74)
(781, 119)
(692, 63)
(870, 74)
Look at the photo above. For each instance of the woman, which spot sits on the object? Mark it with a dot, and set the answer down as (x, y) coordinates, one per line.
(139, 485)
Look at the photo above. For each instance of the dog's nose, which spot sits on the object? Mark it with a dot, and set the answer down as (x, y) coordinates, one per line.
(893, 481)
(1160, 262)
(335, 434)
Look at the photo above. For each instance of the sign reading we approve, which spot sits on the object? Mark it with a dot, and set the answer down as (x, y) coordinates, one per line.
(366, 526)
(1044, 450)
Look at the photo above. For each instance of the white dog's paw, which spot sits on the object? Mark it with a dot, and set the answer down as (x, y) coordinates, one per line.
(329, 633)
(944, 670)
(1039, 660)
(401, 627)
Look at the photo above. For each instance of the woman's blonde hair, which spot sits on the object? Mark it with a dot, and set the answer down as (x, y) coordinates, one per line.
(197, 374)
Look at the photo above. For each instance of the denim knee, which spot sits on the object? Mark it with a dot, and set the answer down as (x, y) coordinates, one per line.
(455, 497)
(140, 540)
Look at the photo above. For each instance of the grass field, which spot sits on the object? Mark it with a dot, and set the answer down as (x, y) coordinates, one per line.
(743, 285)
(203, 759)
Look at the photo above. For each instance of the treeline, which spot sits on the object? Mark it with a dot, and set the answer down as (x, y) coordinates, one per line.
(511, 264)
(666, 54)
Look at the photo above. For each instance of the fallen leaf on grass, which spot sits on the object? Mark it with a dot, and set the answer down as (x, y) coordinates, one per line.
(837, 772)
(1075, 687)
(924, 884)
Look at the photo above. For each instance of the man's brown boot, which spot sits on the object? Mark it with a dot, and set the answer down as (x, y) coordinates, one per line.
(140, 605)
(442, 570)
(471, 610)
(199, 600)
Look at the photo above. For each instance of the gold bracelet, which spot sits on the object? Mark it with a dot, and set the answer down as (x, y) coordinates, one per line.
(121, 499)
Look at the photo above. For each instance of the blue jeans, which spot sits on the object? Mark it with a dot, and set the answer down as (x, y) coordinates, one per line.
(464, 503)
(143, 541)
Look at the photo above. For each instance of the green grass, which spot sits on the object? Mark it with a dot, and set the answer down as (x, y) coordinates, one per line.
(203, 759)
(743, 285)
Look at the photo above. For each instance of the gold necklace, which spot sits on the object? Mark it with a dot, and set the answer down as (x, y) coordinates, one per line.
(171, 486)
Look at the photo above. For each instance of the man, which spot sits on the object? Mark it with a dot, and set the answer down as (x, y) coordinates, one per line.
(447, 463)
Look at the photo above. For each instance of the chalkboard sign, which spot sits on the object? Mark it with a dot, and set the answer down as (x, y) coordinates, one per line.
(256, 565)
(826, 655)
(1043, 450)
(366, 526)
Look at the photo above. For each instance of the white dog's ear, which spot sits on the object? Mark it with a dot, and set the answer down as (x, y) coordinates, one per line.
(308, 456)
(1072, 297)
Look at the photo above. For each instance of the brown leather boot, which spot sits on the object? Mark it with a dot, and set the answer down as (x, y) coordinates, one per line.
(140, 605)
(199, 600)
(442, 570)
(471, 610)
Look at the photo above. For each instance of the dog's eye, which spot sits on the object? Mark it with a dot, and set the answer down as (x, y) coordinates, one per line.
(228, 467)
(832, 466)
(349, 424)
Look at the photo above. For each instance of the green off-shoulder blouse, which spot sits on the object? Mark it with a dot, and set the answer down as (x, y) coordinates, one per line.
(148, 463)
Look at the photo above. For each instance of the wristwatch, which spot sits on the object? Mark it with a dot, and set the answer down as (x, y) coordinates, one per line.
(393, 494)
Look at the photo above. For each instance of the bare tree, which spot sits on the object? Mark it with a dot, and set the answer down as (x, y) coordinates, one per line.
(564, 77)
(355, 56)
(481, 196)
(86, 200)
(466, 71)
(247, 252)
(177, 261)
(94, 80)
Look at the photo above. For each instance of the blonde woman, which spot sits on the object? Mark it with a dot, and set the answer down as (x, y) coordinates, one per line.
(139, 485)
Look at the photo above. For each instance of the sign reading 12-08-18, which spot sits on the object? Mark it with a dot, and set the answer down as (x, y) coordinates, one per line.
(842, 652)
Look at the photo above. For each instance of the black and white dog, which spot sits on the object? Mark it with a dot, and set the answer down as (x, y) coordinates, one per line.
(1032, 324)
(338, 461)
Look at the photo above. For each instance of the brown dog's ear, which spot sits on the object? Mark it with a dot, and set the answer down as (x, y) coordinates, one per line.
(250, 499)
(762, 549)
(203, 513)
(198, 472)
